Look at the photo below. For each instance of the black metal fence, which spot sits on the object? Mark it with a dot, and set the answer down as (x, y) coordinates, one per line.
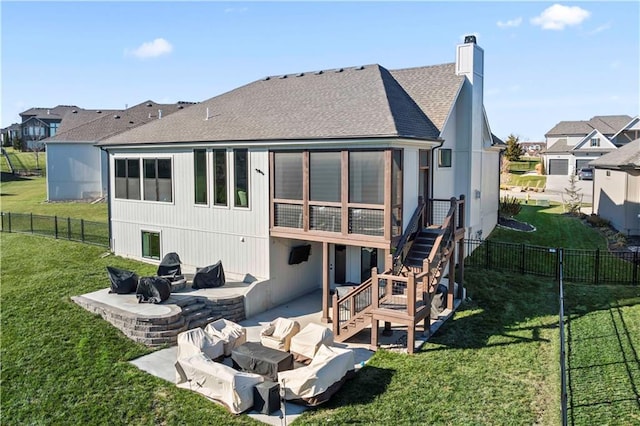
(81, 230)
(583, 266)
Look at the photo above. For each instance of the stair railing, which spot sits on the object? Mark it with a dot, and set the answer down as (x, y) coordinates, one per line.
(442, 247)
(406, 240)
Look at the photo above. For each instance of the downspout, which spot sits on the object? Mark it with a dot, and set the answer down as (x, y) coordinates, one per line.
(109, 197)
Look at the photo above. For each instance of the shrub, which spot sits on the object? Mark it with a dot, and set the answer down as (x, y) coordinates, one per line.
(540, 168)
(597, 221)
(509, 206)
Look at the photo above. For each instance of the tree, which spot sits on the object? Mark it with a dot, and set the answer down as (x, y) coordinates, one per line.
(574, 197)
(514, 150)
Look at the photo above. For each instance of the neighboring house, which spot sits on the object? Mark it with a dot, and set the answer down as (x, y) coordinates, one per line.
(532, 149)
(334, 159)
(76, 168)
(41, 123)
(573, 144)
(10, 133)
(616, 188)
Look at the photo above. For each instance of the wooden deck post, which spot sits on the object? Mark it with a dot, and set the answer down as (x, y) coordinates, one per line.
(325, 283)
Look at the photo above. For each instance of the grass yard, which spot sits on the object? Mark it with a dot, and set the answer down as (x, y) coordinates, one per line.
(29, 195)
(553, 229)
(496, 362)
(23, 160)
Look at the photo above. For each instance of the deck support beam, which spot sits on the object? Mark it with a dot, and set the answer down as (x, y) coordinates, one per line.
(325, 283)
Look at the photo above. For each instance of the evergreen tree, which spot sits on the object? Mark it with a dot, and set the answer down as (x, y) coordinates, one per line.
(514, 150)
(574, 197)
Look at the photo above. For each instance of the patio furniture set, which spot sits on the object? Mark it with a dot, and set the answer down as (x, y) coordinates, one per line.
(300, 366)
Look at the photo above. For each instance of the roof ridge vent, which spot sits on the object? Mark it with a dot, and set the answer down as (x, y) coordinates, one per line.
(319, 72)
(340, 70)
(300, 75)
(361, 67)
(116, 116)
(283, 76)
(267, 78)
(149, 104)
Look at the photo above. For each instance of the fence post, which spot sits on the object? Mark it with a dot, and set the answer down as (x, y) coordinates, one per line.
(487, 257)
(69, 228)
(636, 266)
(596, 267)
(55, 226)
(9, 221)
(31, 221)
(82, 230)
(522, 260)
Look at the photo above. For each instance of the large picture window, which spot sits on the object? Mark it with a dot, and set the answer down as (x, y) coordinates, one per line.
(288, 175)
(241, 177)
(200, 176)
(220, 177)
(128, 179)
(366, 177)
(151, 245)
(325, 176)
(157, 179)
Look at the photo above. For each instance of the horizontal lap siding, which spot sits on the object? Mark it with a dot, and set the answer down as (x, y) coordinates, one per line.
(201, 235)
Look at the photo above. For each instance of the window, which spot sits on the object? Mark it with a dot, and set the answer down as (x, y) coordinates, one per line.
(444, 157)
(157, 179)
(241, 177)
(220, 177)
(325, 176)
(288, 175)
(200, 176)
(151, 245)
(595, 141)
(128, 179)
(53, 129)
(366, 177)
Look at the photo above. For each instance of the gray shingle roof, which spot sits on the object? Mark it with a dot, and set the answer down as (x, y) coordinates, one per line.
(559, 146)
(605, 124)
(48, 113)
(625, 157)
(357, 102)
(112, 122)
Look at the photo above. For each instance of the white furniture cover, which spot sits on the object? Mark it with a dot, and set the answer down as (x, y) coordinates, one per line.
(195, 341)
(221, 383)
(278, 334)
(316, 382)
(232, 334)
(305, 344)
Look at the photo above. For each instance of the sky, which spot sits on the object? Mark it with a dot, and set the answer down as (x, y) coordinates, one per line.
(545, 62)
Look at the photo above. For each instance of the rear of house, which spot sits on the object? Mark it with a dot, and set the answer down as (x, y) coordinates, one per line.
(308, 180)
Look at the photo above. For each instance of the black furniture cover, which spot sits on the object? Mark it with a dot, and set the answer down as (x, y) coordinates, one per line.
(170, 265)
(122, 281)
(209, 277)
(255, 358)
(153, 290)
(439, 301)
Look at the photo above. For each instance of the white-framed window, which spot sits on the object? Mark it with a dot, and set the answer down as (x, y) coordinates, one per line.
(241, 177)
(157, 179)
(151, 245)
(595, 141)
(200, 177)
(127, 178)
(220, 177)
(444, 157)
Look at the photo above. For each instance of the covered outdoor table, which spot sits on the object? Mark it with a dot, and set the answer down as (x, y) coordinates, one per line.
(255, 358)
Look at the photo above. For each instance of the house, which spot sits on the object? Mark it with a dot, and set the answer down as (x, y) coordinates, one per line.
(616, 188)
(309, 180)
(41, 123)
(76, 168)
(532, 149)
(10, 133)
(573, 144)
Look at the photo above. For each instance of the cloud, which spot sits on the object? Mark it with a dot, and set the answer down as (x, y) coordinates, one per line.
(510, 23)
(151, 49)
(557, 17)
(601, 28)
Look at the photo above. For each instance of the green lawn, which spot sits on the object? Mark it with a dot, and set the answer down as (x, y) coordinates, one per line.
(495, 362)
(24, 160)
(29, 195)
(553, 229)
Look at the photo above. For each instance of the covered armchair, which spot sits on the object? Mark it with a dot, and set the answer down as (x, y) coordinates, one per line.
(305, 344)
(196, 341)
(231, 334)
(278, 334)
(317, 382)
(231, 388)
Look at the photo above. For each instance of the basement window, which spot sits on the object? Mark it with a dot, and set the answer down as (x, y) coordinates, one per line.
(151, 245)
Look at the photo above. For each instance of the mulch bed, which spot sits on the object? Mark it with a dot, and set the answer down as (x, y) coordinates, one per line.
(516, 225)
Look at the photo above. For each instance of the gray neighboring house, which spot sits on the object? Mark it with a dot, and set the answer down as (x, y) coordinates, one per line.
(9, 133)
(76, 168)
(616, 188)
(571, 145)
